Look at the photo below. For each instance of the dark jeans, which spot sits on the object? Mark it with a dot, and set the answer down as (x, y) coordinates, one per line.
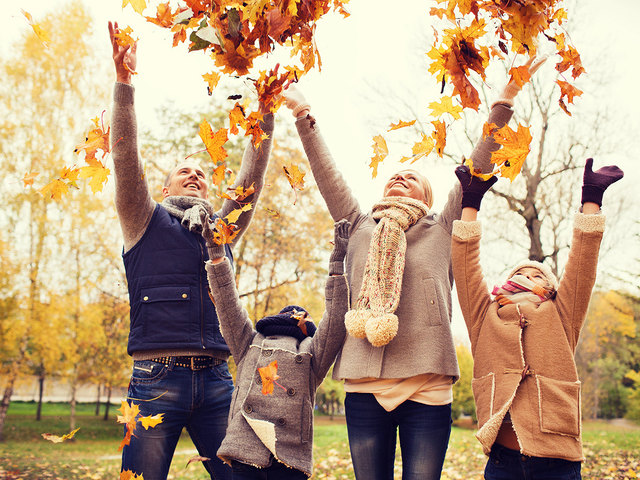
(276, 471)
(198, 400)
(507, 464)
(424, 435)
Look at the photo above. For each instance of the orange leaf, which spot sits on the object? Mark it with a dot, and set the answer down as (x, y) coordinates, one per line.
(233, 216)
(400, 124)
(57, 439)
(129, 475)
(96, 139)
(570, 59)
(236, 117)
(295, 177)
(224, 233)
(214, 142)
(212, 80)
(520, 75)
(151, 420)
(515, 148)
(29, 177)
(569, 91)
(269, 375)
(164, 17)
(439, 136)
(380, 152)
(124, 38)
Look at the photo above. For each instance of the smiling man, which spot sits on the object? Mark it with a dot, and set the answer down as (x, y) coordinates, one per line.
(179, 356)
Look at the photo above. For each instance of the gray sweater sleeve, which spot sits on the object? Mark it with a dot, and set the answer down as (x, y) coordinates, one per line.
(500, 114)
(252, 171)
(133, 201)
(235, 325)
(337, 195)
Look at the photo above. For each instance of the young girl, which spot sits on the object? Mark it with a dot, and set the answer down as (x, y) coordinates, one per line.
(525, 382)
(280, 366)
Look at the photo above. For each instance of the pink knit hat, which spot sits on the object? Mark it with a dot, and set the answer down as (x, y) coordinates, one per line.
(546, 271)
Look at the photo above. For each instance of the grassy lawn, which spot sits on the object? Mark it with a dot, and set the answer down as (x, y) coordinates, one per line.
(611, 449)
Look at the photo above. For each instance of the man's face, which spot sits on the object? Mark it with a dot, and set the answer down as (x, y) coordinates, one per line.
(405, 184)
(534, 275)
(188, 180)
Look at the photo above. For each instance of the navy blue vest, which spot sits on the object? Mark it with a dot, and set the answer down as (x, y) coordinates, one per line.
(168, 289)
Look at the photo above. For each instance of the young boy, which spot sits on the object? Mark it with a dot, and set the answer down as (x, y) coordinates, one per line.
(525, 381)
(280, 366)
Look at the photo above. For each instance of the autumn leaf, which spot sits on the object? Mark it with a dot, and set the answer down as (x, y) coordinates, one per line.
(124, 38)
(520, 75)
(515, 148)
(420, 149)
(129, 475)
(380, 152)
(439, 136)
(96, 139)
(212, 80)
(97, 172)
(130, 412)
(37, 29)
(296, 179)
(58, 187)
(197, 458)
(445, 106)
(56, 439)
(236, 117)
(223, 232)
(164, 17)
(138, 5)
(239, 193)
(214, 141)
(569, 91)
(151, 420)
(233, 216)
(476, 171)
(570, 60)
(400, 124)
(269, 375)
(272, 213)
(29, 177)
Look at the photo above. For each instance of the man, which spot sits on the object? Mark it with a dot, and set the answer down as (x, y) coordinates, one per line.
(179, 367)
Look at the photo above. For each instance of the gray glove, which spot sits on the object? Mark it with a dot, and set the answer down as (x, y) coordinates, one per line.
(341, 241)
(213, 249)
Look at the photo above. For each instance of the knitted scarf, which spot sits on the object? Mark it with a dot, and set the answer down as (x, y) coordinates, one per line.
(373, 316)
(519, 289)
(189, 210)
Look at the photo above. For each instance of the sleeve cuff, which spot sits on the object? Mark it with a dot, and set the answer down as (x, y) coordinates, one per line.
(219, 273)
(589, 223)
(466, 230)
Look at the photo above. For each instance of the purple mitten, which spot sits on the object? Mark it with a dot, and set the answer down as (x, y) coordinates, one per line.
(595, 183)
(473, 188)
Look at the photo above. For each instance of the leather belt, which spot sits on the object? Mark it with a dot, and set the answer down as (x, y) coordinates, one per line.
(193, 363)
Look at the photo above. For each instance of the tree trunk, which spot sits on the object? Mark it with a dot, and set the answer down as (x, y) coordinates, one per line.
(72, 416)
(98, 401)
(107, 404)
(4, 406)
(40, 392)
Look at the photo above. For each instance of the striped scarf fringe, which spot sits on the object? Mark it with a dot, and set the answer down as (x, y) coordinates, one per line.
(518, 290)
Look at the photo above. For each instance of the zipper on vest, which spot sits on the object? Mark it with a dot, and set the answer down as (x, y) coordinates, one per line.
(201, 296)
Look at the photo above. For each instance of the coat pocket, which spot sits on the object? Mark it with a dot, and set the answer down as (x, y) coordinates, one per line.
(559, 406)
(483, 393)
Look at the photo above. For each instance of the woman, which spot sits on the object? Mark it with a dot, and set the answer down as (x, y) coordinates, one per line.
(398, 360)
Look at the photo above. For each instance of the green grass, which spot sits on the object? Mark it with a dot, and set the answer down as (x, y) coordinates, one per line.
(611, 450)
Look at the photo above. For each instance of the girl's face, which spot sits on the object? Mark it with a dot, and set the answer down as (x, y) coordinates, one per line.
(534, 275)
(405, 184)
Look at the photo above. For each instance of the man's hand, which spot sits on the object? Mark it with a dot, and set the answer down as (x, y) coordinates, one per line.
(124, 58)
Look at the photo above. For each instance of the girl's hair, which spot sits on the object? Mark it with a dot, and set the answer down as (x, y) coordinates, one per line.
(426, 186)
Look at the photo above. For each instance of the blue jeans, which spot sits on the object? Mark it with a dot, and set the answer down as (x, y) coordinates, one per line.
(275, 471)
(424, 436)
(198, 400)
(507, 464)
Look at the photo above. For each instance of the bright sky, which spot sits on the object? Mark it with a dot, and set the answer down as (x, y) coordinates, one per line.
(381, 46)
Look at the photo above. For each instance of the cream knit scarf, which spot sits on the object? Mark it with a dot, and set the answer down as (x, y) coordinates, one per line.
(374, 316)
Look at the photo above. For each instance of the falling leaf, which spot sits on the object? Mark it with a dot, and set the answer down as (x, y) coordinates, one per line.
(380, 152)
(56, 439)
(570, 60)
(269, 375)
(151, 420)
(569, 91)
(29, 177)
(97, 172)
(223, 232)
(520, 75)
(138, 5)
(272, 213)
(420, 149)
(96, 139)
(400, 124)
(439, 136)
(296, 179)
(197, 458)
(445, 106)
(515, 148)
(236, 117)
(124, 38)
(212, 80)
(164, 17)
(239, 193)
(233, 216)
(37, 29)
(214, 142)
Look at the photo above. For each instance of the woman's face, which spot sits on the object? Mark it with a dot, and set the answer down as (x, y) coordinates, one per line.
(534, 275)
(405, 184)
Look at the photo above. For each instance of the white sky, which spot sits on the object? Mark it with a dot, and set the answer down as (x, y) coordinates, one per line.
(381, 44)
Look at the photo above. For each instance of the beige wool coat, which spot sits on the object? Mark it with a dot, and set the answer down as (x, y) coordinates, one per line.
(523, 354)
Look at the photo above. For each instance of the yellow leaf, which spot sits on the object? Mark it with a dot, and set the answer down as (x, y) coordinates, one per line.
(97, 172)
(37, 29)
(400, 124)
(295, 177)
(212, 80)
(129, 475)
(138, 5)
(151, 421)
(445, 106)
(214, 141)
(514, 151)
(380, 152)
(233, 216)
(29, 177)
(57, 439)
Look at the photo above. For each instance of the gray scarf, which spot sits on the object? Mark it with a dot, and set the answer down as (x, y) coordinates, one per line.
(191, 211)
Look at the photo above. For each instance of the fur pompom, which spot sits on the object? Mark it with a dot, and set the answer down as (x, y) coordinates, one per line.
(381, 329)
(354, 322)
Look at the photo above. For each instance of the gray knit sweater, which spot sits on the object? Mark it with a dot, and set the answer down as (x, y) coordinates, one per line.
(424, 343)
(280, 425)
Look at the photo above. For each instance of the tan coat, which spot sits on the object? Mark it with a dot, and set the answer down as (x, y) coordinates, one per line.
(523, 354)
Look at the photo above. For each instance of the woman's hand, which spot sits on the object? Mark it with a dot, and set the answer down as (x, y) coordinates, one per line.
(295, 101)
(124, 58)
(340, 243)
(512, 88)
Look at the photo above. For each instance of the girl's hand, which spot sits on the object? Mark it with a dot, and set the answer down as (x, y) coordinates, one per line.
(295, 101)
(512, 89)
(124, 58)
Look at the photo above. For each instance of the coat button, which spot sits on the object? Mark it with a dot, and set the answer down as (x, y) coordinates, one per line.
(432, 302)
(248, 408)
(145, 298)
(184, 295)
(281, 421)
(298, 358)
(291, 391)
(267, 353)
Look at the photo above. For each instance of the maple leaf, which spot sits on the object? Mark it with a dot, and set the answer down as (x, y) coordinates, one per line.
(29, 177)
(570, 59)
(138, 5)
(214, 141)
(235, 60)
(212, 80)
(218, 174)
(445, 106)
(380, 152)
(124, 38)
(56, 439)
(569, 91)
(197, 458)
(515, 148)
(37, 29)
(439, 136)
(420, 149)
(129, 416)
(96, 139)
(520, 75)
(238, 193)
(97, 172)
(272, 213)
(476, 171)
(296, 179)
(233, 216)
(129, 475)
(224, 233)
(236, 117)
(164, 17)
(400, 124)
(269, 375)
(58, 187)
(151, 421)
